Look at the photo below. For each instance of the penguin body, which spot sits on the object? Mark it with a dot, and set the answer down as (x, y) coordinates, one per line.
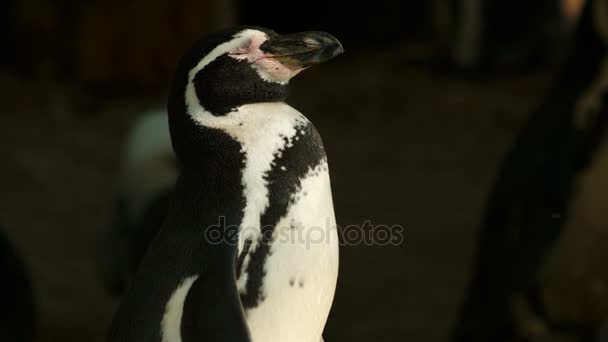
(250, 230)
(537, 203)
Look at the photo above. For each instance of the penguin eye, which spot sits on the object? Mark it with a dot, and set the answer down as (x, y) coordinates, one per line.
(240, 51)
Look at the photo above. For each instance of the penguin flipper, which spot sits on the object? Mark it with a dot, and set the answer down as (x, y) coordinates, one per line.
(213, 312)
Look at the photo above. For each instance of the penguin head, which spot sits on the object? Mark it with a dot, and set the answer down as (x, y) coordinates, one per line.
(248, 65)
(236, 67)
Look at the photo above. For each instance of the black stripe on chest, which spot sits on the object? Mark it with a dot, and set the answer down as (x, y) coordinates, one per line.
(290, 165)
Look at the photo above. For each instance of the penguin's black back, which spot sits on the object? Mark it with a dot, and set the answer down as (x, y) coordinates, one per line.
(186, 247)
(146, 228)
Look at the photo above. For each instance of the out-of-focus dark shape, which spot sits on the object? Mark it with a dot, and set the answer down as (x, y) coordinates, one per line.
(540, 268)
(571, 10)
(17, 314)
(143, 42)
(495, 36)
(36, 33)
(149, 171)
(113, 45)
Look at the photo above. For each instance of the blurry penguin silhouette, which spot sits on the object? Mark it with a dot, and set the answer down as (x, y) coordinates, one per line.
(148, 172)
(17, 314)
(484, 36)
(540, 268)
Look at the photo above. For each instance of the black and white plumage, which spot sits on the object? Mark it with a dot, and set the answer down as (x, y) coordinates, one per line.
(17, 314)
(250, 230)
(553, 183)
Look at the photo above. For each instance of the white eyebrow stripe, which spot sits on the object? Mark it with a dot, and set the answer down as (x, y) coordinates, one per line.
(240, 39)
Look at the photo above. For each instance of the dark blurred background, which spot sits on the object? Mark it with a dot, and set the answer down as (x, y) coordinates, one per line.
(417, 118)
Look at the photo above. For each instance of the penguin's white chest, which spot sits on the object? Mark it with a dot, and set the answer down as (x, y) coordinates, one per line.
(288, 284)
(301, 269)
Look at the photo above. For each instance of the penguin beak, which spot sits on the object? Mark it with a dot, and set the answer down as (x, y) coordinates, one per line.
(301, 50)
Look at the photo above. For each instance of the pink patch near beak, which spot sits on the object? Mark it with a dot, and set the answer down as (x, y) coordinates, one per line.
(267, 67)
(273, 70)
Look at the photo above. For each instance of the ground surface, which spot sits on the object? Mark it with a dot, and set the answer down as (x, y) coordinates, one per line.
(406, 147)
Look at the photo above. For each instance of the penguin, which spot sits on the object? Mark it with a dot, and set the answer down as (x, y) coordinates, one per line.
(17, 315)
(548, 194)
(248, 250)
(148, 173)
